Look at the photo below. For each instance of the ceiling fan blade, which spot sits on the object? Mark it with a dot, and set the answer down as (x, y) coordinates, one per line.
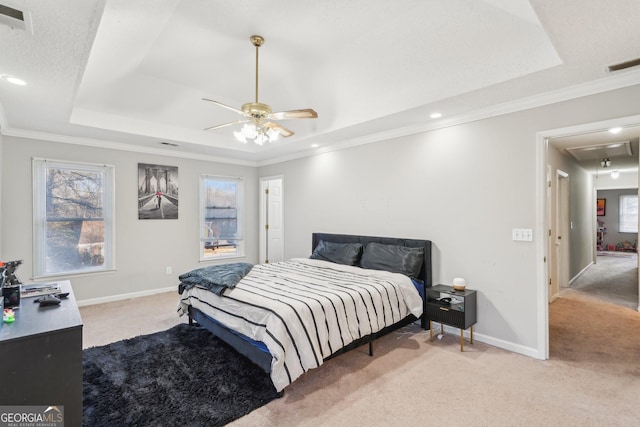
(224, 105)
(226, 124)
(307, 113)
(281, 129)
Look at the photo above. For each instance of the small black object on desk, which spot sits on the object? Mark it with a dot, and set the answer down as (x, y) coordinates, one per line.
(48, 300)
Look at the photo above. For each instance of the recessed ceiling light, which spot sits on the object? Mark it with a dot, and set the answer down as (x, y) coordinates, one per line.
(12, 79)
(314, 146)
(435, 115)
(615, 130)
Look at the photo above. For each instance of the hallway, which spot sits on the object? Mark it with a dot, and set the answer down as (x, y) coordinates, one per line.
(613, 279)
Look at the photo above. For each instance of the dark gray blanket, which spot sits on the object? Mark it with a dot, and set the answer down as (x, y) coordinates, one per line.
(216, 278)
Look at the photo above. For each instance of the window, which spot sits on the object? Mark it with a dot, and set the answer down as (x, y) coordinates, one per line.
(73, 218)
(629, 214)
(221, 210)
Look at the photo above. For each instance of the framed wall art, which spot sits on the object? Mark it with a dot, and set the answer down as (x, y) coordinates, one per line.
(157, 191)
(601, 207)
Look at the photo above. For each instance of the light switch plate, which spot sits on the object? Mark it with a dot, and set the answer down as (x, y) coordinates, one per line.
(522, 234)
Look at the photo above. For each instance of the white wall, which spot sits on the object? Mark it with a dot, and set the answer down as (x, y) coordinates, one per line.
(144, 248)
(582, 239)
(464, 187)
(627, 179)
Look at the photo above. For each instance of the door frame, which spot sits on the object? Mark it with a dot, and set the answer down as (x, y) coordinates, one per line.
(543, 218)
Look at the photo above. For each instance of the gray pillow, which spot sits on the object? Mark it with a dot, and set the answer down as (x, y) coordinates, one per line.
(340, 253)
(393, 258)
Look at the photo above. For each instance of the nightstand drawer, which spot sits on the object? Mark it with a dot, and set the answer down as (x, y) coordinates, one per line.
(444, 314)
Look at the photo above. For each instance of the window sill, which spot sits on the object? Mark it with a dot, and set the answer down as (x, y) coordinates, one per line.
(65, 276)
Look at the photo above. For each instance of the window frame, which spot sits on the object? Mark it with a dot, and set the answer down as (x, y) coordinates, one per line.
(39, 216)
(240, 218)
(622, 213)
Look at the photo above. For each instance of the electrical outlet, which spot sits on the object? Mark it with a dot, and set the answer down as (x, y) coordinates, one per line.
(169, 270)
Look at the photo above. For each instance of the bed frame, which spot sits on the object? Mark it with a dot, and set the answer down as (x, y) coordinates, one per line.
(263, 358)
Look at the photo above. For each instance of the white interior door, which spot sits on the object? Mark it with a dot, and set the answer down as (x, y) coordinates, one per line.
(559, 236)
(271, 220)
(563, 228)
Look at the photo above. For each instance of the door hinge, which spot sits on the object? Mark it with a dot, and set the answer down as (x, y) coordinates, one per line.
(549, 282)
(266, 226)
(266, 191)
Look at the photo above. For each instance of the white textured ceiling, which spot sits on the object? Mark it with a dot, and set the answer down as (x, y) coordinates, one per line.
(133, 72)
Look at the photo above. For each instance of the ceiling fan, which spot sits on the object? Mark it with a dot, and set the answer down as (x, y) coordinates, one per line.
(258, 118)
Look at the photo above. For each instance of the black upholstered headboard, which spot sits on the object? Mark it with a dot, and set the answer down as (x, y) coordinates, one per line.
(425, 273)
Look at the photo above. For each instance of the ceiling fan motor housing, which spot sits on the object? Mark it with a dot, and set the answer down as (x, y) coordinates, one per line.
(257, 111)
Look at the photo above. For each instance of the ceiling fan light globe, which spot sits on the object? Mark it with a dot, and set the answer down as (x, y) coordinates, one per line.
(249, 131)
(273, 135)
(240, 137)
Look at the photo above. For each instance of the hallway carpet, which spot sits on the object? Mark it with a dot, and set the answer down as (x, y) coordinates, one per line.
(613, 278)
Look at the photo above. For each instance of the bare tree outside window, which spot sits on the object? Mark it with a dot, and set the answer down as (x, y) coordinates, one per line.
(75, 222)
(71, 217)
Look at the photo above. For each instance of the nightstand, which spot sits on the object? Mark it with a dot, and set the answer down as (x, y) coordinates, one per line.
(460, 312)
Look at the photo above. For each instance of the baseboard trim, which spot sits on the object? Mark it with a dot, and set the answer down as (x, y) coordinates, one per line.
(120, 297)
(580, 273)
(495, 342)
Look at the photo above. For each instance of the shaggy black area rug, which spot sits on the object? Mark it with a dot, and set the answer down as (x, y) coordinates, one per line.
(184, 376)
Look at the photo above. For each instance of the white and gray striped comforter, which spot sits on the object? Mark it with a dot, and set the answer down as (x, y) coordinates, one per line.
(304, 310)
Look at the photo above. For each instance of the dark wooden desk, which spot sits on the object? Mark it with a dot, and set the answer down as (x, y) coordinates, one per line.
(41, 357)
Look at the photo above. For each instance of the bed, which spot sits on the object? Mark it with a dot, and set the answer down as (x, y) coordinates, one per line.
(292, 316)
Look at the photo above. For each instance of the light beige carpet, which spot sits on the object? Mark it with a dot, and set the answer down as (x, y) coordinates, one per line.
(592, 378)
(613, 278)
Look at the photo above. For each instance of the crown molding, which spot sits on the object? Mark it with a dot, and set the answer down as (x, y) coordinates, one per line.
(99, 143)
(620, 80)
